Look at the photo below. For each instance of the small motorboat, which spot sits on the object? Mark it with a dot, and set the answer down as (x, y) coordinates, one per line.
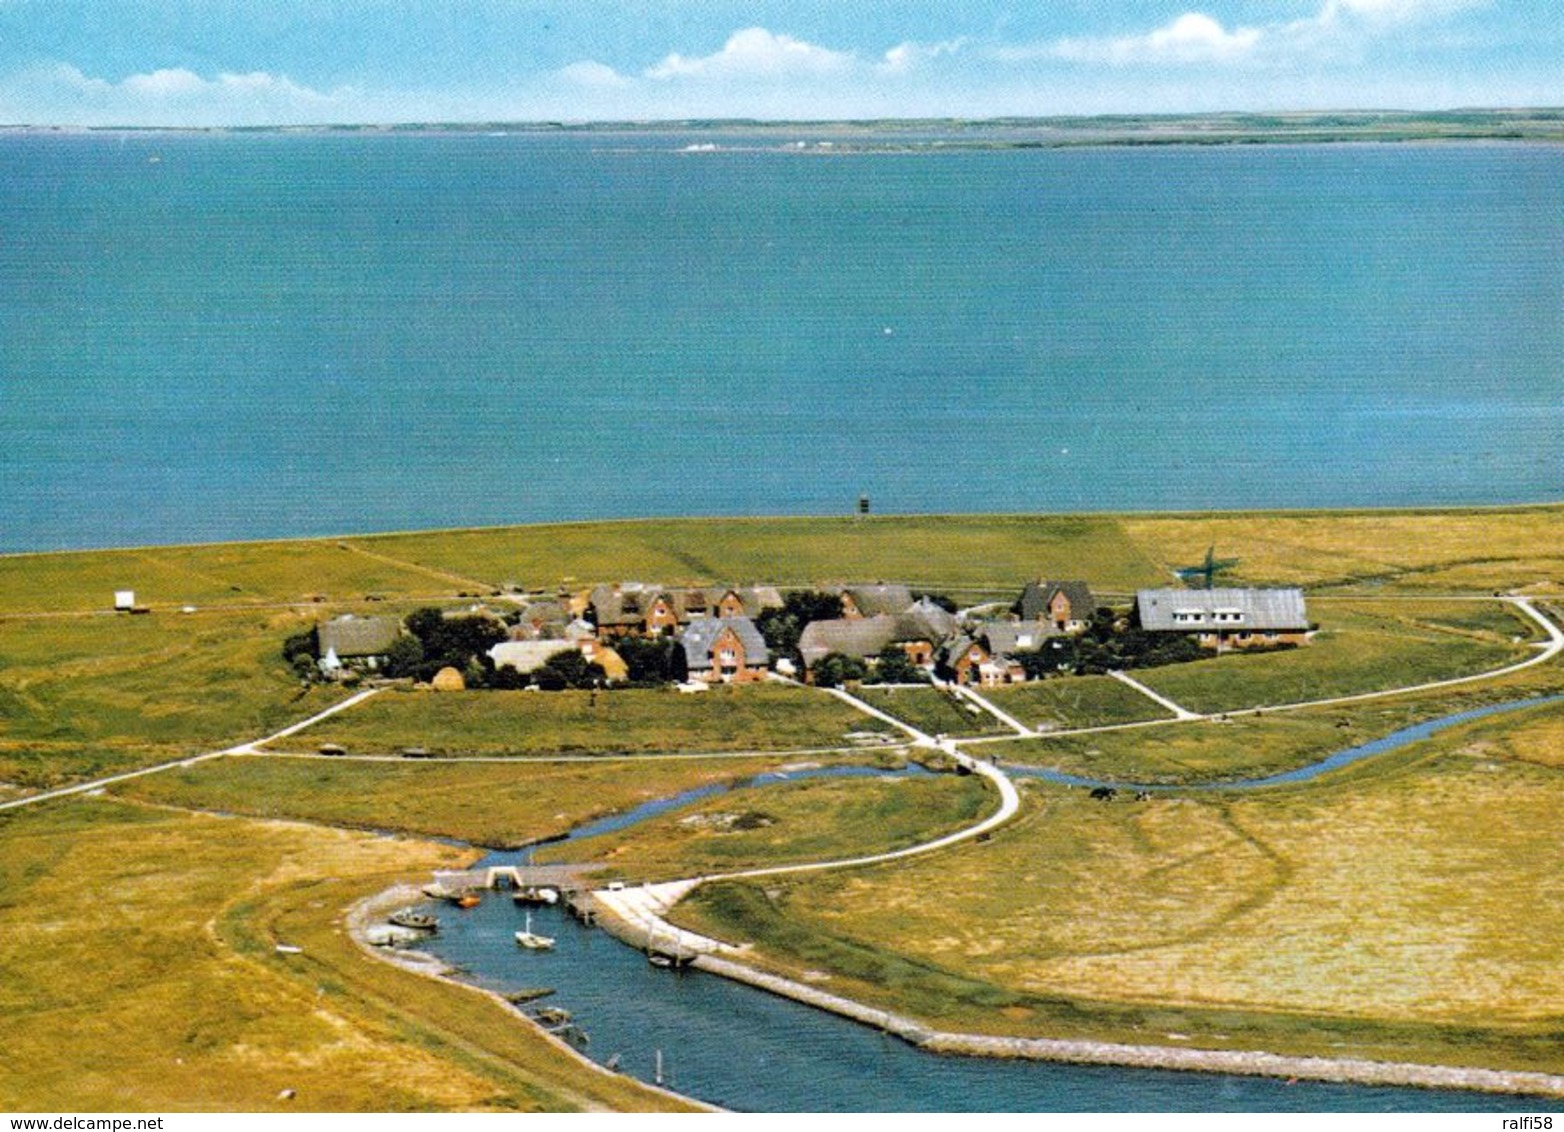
(468, 900)
(418, 921)
(531, 940)
(536, 896)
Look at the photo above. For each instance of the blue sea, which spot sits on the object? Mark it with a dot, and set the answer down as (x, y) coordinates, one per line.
(222, 336)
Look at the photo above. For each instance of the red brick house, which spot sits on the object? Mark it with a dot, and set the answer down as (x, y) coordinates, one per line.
(727, 650)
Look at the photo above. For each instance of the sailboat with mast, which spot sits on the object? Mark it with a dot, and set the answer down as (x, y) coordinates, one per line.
(531, 940)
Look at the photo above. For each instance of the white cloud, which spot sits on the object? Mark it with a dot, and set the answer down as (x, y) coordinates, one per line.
(62, 93)
(906, 56)
(755, 53)
(163, 84)
(1340, 27)
(1393, 11)
(178, 83)
(589, 73)
(1192, 38)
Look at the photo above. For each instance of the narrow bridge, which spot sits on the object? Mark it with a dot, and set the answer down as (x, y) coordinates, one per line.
(563, 877)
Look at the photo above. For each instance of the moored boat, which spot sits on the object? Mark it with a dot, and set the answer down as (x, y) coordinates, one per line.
(536, 895)
(531, 940)
(419, 921)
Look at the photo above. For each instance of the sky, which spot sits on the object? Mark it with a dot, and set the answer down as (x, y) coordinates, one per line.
(289, 62)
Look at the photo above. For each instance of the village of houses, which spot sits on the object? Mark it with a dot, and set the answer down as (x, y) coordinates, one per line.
(720, 637)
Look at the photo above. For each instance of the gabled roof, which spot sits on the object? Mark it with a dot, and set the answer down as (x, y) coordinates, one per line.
(755, 599)
(1190, 611)
(882, 597)
(627, 603)
(1014, 636)
(1033, 605)
(358, 636)
(924, 621)
(546, 612)
(527, 656)
(956, 646)
(862, 637)
(701, 637)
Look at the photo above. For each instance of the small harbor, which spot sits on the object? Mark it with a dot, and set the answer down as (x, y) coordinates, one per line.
(639, 1010)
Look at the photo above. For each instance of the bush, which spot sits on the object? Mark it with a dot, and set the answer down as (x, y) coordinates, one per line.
(451, 642)
(781, 628)
(835, 669)
(305, 644)
(570, 670)
(892, 666)
(658, 660)
(405, 657)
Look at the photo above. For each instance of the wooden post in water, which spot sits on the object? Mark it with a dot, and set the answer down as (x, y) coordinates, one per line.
(657, 1075)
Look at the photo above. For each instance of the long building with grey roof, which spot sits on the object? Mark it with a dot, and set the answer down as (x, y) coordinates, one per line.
(1226, 618)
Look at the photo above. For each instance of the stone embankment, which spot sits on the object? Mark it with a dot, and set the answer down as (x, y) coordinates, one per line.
(1250, 1063)
(361, 916)
(1247, 1063)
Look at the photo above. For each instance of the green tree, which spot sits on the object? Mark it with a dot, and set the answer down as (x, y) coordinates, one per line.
(652, 660)
(835, 669)
(570, 670)
(305, 644)
(782, 627)
(404, 657)
(892, 666)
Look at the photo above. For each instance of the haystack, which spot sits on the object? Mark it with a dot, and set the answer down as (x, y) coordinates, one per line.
(448, 680)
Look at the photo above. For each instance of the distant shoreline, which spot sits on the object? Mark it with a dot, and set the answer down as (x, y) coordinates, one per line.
(626, 521)
(1540, 124)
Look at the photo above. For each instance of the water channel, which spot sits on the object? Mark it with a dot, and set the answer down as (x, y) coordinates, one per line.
(745, 1049)
(1346, 757)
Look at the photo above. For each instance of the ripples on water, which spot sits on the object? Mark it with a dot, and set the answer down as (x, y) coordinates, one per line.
(269, 335)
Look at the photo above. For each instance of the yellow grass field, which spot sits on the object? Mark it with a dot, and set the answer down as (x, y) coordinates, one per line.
(1473, 550)
(87, 696)
(1408, 909)
(138, 972)
(792, 823)
(1519, 549)
(763, 717)
(484, 803)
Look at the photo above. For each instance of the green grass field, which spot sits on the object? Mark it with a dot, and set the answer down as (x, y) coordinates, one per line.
(752, 718)
(1253, 746)
(1390, 551)
(1477, 551)
(484, 803)
(81, 697)
(1361, 647)
(1406, 908)
(931, 711)
(1344, 917)
(788, 823)
(138, 973)
(1075, 701)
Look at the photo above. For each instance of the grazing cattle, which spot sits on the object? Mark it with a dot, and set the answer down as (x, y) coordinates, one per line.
(1104, 793)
